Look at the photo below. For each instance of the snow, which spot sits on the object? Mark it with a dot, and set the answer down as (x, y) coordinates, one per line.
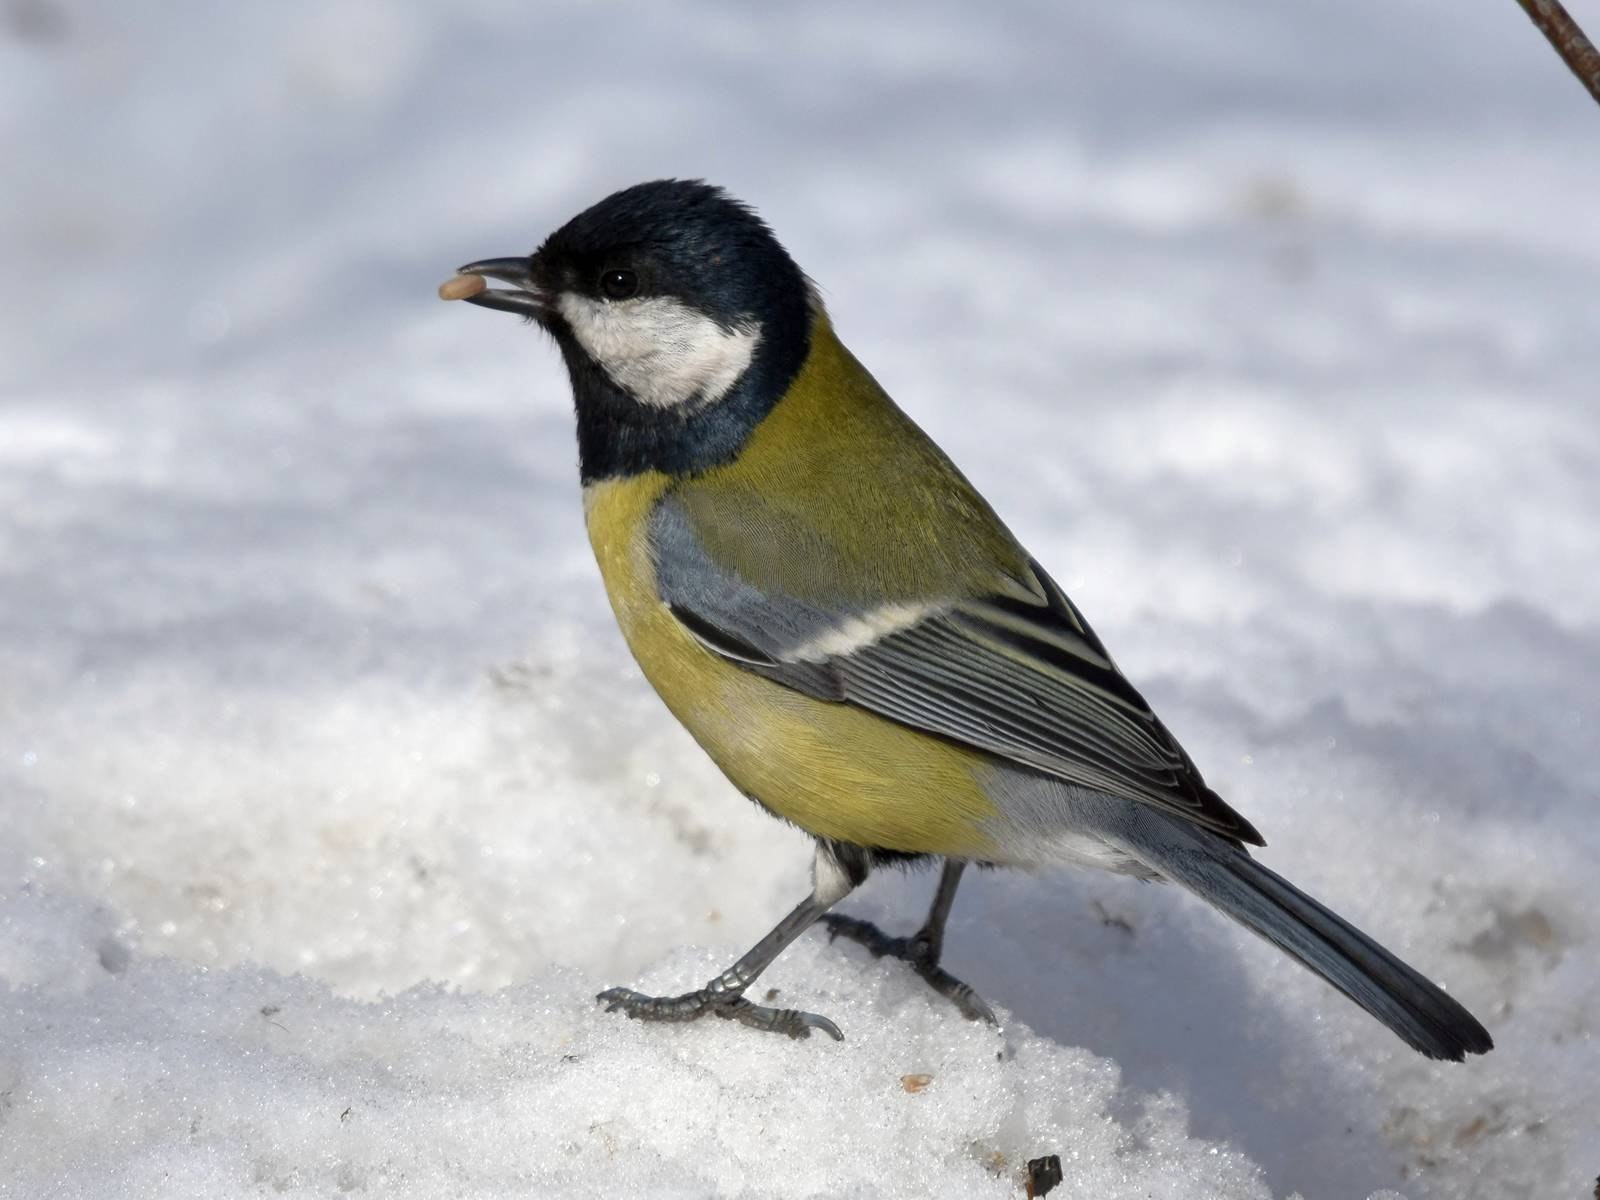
(331, 796)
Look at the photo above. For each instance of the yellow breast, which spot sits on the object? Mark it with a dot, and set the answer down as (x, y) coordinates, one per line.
(834, 770)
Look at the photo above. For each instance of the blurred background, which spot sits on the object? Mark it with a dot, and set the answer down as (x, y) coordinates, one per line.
(1273, 330)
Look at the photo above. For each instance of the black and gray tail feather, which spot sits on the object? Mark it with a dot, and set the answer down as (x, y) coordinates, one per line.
(1423, 1016)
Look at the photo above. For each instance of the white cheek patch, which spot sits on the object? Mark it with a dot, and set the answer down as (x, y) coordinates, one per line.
(659, 350)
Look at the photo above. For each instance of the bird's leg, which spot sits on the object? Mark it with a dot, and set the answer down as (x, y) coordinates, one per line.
(922, 949)
(833, 880)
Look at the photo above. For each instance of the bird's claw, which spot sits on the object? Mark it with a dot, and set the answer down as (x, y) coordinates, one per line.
(640, 1007)
(865, 933)
(691, 1006)
(790, 1021)
(919, 953)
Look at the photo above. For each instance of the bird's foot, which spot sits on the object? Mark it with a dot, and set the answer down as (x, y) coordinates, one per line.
(921, 953)
(729, 1005)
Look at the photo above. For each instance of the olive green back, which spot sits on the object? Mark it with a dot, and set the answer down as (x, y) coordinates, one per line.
(839, 498)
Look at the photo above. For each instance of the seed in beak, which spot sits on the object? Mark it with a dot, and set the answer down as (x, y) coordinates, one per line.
(460, 287)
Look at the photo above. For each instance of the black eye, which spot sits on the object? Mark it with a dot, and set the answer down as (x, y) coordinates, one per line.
(618, 284)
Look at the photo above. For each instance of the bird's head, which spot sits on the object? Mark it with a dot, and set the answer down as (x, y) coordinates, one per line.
(681, 318)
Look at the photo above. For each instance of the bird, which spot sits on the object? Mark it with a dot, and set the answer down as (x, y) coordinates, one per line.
(847, 628)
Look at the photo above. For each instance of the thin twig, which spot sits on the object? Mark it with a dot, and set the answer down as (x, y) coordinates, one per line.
(1576, 50)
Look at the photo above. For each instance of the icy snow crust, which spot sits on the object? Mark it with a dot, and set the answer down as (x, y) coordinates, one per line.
(330, 795)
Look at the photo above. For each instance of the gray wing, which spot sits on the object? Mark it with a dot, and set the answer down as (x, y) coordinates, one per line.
(1018, 674)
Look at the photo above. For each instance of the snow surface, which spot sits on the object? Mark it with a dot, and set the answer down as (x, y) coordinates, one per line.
(331, 796)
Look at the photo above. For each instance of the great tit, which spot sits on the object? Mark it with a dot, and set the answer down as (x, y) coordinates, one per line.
(847, 628)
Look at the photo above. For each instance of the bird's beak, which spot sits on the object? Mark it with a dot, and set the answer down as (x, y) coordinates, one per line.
(528, 299)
